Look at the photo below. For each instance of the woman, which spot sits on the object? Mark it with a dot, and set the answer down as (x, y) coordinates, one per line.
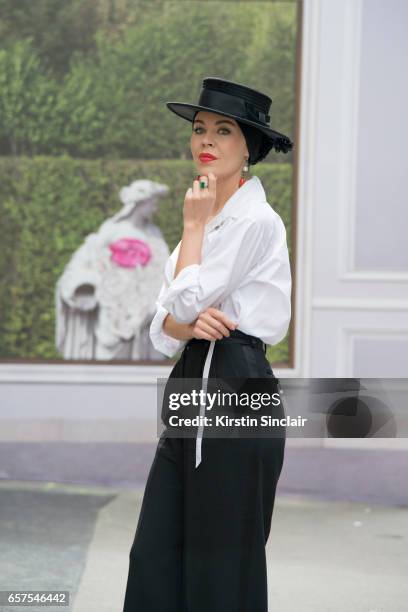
(208, 502)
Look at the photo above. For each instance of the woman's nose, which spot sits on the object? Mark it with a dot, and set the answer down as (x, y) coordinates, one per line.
(207, 139)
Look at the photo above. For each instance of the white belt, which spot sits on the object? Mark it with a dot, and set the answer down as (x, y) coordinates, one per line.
(206, 371)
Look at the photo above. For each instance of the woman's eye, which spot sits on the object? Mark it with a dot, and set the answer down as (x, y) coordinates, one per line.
(199, 128)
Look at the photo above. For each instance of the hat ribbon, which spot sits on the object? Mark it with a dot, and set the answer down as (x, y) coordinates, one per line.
(224, 102)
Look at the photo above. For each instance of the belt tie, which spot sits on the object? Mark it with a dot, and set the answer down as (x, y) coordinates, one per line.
(206, 371)
(235, 336)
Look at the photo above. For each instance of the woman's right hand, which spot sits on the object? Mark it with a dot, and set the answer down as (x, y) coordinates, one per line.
(212, 324)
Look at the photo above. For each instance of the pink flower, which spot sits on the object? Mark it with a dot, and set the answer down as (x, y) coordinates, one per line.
(129, 252)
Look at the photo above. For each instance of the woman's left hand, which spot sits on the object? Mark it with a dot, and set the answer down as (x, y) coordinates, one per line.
(199, 203)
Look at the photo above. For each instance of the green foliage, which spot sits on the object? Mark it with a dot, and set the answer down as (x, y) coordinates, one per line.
(86, 81)
(57, 29)
(27, 100)
(103, 95)
(49, 205)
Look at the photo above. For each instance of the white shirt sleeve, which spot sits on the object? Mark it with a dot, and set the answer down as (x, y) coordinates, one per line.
(161, 341)
(267, 295)
(231, 256)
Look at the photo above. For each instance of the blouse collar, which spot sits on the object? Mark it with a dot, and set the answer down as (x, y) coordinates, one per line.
(241, 200)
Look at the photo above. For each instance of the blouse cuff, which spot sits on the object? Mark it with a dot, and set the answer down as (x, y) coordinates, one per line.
(162, 342)
(187, 278)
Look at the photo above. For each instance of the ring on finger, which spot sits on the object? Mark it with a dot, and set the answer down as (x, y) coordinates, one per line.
(203, 182)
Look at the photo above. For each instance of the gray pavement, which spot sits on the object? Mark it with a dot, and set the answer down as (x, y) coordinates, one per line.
(323, 555)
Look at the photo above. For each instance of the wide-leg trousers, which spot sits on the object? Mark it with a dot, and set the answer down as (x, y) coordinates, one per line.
(201, 534)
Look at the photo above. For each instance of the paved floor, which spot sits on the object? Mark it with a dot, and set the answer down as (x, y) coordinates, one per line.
(323, 556)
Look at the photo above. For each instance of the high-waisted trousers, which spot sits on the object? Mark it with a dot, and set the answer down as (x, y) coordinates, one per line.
(201, 534)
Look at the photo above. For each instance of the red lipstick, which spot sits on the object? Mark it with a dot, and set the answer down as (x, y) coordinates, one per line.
(206, 157)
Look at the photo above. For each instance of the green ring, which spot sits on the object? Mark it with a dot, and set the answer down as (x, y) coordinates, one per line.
(203, 185)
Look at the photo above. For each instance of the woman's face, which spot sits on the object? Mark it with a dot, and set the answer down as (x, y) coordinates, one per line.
(222, 137)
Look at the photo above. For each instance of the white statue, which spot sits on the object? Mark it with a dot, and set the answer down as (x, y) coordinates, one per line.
(105, 298)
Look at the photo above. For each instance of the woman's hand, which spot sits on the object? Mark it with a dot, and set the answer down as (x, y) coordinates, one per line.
(212, 324)
(199, 203)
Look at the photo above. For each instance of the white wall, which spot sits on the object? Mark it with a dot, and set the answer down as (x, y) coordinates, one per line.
(353, 196)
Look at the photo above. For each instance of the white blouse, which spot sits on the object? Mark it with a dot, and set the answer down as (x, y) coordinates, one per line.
(244, 271)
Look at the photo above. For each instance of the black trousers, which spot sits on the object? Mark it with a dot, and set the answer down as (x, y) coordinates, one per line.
(200, 539)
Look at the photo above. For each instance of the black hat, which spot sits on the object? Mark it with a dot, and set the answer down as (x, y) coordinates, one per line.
(243, 104)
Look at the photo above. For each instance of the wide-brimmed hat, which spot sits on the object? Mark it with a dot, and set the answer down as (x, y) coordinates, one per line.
(242, 103)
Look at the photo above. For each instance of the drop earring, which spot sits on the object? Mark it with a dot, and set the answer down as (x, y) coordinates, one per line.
(243, 179)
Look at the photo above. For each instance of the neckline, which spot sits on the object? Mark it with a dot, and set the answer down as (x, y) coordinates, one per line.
(230, 204)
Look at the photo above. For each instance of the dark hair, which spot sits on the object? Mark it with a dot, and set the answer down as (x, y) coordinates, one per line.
(254, 140)
(259, 144)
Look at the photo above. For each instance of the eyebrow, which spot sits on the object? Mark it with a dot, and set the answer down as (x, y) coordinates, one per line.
(220, 121)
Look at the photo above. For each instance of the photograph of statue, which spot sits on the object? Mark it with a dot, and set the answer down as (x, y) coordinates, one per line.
(105, 297)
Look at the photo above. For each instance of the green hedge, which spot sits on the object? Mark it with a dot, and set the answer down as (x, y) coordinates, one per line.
(47, 207)
(92, 83)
